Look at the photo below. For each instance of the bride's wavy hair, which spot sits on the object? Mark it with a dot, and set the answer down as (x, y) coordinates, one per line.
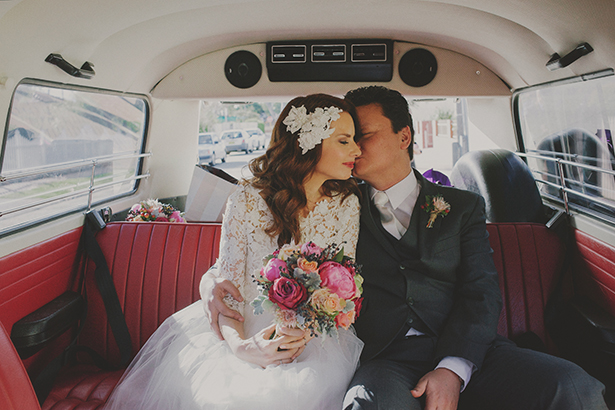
(282, 170)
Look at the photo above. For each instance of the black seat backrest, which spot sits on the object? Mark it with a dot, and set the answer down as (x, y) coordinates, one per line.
(506, 183)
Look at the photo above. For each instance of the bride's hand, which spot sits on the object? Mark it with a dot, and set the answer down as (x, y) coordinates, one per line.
(300, 347)
(263, 351)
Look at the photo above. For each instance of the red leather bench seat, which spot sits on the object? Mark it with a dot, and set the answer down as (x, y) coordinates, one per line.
(156, 268)
(529, 260)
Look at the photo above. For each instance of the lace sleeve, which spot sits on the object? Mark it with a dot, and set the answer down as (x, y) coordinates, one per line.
(232, 258)
(350, 220)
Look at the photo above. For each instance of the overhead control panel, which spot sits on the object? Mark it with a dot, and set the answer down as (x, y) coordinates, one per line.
(330, 60)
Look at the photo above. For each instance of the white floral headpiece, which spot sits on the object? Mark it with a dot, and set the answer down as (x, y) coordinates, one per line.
(314, 127)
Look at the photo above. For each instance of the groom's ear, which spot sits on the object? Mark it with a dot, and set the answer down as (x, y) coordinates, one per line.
(405, 138)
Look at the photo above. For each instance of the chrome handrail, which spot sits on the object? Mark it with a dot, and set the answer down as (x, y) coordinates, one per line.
(62, 166)
(564, 162)
(85, 191)
(564, 189)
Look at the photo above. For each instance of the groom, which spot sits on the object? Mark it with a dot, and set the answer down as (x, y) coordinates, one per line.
(432, 299)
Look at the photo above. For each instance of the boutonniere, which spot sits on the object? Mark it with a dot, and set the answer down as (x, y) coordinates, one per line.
(435, 206)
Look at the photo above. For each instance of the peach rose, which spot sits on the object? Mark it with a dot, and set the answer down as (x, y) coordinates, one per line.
(287, 250)
(326, 301)
(345, 319)
(307, 266)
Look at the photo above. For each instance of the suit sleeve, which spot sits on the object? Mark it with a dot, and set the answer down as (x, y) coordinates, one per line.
(472, 324)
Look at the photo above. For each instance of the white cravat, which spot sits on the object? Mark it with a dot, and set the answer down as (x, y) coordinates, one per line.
(389, 221)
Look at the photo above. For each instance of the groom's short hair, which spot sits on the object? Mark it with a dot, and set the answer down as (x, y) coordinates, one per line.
(394, 106)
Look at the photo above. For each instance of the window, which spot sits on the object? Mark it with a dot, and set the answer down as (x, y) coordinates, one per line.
(67, 149)
(566, 131)
(444, 131)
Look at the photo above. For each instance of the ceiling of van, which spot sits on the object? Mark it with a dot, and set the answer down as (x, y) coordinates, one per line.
(135, 44)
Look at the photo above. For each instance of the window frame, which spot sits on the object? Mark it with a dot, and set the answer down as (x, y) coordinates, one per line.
(89, 203)
(563, 199)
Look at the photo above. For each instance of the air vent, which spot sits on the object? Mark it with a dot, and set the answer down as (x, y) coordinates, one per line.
(325, 53)
(363, 60)
(369, 52)
(288, 54)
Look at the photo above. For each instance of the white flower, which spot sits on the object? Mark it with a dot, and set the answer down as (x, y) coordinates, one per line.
(314, 127)
(295, 119)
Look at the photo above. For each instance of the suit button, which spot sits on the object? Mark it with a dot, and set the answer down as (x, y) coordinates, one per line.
(410, 321)
(410, 301)
(402, 267)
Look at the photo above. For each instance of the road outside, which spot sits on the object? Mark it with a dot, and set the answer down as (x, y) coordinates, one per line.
(237, 163)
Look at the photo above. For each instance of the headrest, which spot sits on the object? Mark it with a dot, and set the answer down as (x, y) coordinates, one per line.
(506, 183)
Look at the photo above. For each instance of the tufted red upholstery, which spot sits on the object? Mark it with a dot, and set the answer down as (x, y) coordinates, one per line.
(529, 261)
(156, 268)
(595, 271)
(16, 392)
(34, 276)
(82, 388)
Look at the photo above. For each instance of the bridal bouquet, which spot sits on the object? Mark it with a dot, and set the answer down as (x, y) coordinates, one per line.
(152, 210)
(309, 287)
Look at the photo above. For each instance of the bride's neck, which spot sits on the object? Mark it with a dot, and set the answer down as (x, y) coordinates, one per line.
(313, 192)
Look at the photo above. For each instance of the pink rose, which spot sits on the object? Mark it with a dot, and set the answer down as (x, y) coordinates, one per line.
(176, 216)
(310, 248)
(136, 208)
(271, 271)
(287, 293)
(337, 279)
(162, 219)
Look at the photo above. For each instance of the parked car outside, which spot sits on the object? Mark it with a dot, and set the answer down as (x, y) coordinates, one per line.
(257, 137)
(211, 148)
(237, 140)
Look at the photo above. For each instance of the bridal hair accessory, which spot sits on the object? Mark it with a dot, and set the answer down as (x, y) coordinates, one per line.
(310, 288)
(314, 127)
(435, 206)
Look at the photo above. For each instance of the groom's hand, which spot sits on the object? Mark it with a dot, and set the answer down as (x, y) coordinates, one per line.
(441, 388)
(213, 290)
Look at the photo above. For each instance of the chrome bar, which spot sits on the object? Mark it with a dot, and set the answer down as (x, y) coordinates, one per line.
(72, 194)
(581, 194)
(68, 165)
(574, 164)
(562, 181)
(91, 184)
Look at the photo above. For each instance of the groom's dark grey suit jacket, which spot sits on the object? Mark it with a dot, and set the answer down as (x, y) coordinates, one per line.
(441, 278)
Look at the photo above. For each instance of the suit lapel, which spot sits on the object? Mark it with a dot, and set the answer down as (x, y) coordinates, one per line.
(426, 237)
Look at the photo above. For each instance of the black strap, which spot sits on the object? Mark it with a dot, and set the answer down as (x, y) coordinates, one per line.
(45, 380)
(108, 293)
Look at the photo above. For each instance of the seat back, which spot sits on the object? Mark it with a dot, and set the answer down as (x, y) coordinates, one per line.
(16, 391)
(506, 183)
(529, 260)
(156, 268)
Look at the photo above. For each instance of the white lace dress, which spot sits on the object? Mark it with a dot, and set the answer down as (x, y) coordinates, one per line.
(184, 366)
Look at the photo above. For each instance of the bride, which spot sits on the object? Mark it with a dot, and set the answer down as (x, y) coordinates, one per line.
(301, 191)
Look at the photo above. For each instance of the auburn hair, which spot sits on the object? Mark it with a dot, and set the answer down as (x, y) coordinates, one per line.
(280, 173)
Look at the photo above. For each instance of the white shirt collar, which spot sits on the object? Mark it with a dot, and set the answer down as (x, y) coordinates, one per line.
(400, 191)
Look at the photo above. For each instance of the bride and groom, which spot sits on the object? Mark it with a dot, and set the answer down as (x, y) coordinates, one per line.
(427, 327)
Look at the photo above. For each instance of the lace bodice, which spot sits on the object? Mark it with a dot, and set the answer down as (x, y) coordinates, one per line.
(244, 242)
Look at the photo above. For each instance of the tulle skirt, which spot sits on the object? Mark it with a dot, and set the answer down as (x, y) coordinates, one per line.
(184, 366)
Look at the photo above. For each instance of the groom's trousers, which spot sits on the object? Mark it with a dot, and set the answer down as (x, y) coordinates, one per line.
(511, 378)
